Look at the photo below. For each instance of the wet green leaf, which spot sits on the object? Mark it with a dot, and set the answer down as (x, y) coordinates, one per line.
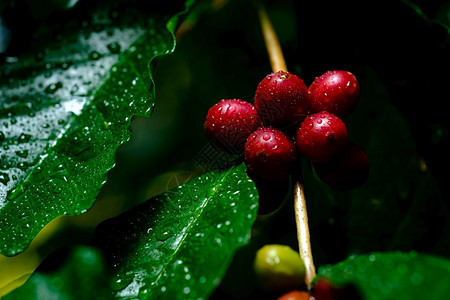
(393, 275)
(80, 274)
(179, 244)
(66, 105)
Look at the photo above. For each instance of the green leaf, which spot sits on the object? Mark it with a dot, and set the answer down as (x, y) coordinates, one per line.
(66, 105)
(80, 275)
(393, 275)
(179, 244)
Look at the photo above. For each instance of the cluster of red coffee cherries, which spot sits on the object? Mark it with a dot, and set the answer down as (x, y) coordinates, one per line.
(288, 119)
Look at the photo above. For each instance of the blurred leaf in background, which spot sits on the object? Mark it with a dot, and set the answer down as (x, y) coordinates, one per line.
(393, 275)
(77, 273)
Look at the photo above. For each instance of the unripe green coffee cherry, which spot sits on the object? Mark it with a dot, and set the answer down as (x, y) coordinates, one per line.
(279, 268)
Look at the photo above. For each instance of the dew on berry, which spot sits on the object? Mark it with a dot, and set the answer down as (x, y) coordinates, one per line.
(320, 141)
(281, 99)
(335, 91)
(229, 123)
(266, 160)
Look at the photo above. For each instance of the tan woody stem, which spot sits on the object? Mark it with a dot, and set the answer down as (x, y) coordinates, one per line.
(301, 216)
(301, 219)
(271, 39)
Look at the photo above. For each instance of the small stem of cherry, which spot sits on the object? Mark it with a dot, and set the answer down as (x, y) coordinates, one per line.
(278, 63)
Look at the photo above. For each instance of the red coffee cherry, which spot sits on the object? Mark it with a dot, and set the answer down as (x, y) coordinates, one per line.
(229, 123)
(337, 92)
(295, 295)
(321, 136)
(281, 99)
(347, 171)
(269, 153)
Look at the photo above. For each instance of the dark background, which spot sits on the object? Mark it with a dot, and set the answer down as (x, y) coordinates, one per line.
(224, 56)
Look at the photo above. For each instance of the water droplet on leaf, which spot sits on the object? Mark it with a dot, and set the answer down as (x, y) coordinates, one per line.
(114, 47)
(94, 55)
(162, 235)
(22, 153)
(53, 87)
(24, 138)
(4, 178)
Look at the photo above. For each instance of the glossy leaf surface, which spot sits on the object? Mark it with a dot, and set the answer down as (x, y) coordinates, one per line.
(66, 105)
(179, 244)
